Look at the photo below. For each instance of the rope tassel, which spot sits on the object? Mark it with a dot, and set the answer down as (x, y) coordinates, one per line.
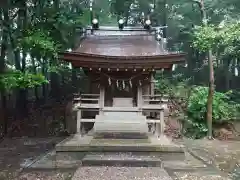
(117, 84)
(130, 83)
(123, 83)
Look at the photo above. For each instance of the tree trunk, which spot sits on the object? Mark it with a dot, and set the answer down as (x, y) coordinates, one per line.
(55, 91)
(227, 73)
(20, 62)
(164, 23)
(74, 80)
(5, 16)
(56, 4)
(210, 94)
(44, 72)
(4, 40)
(35, 72)
(211, 74)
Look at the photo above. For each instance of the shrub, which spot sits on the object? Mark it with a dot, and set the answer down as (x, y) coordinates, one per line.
(16, 79)
(223, 110)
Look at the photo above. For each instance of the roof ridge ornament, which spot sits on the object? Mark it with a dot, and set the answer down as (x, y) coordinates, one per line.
(147, 24)
(121, 24)
(159, 34)
(95, 23)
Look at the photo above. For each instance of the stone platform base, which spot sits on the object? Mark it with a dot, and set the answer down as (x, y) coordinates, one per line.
(77, 143)
(68, 160)
(89, 151)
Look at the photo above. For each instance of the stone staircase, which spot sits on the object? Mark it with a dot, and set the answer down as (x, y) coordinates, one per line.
(121, 159)
(120, 139)
(90, 151)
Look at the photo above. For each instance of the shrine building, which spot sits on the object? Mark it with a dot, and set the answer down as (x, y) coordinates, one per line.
(121, 64)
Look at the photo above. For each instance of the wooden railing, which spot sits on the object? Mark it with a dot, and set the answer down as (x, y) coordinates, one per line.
(88, 101)
(156, 104)
(155, 99)
(152, 104)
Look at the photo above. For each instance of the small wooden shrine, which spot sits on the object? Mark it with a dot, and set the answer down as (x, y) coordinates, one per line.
(121, 64)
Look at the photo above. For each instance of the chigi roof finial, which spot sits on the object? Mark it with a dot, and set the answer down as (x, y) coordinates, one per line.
(91, 9)
(94, 20)
(159, 34)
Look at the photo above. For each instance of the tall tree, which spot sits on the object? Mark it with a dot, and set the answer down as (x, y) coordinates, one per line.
(5, 20)
(211, 73)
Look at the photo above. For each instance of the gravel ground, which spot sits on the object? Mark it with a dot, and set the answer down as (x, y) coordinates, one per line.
(120, 173)
(224, 155)
(45, 176)
(199, 176)
(16, 154)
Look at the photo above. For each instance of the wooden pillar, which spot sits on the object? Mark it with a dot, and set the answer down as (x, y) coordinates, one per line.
(152, 86)
(160, 127)
(139, 97)
(79, 117)
(162, 123)
(102, 98)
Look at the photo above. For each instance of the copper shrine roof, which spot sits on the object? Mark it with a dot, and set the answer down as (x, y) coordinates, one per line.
(110, 44)
(121, 43)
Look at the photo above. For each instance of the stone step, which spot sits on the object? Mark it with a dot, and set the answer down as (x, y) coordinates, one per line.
(121, 117)
(108, 127)
(113, 120)
(120, 148)
(125, 145)
(128, 135)
(129, 113)
(121, 109)
(121, 160)
(120, 123)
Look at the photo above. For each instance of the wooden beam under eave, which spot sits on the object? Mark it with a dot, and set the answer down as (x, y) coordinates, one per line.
(87, 58)
(114, 67)
(121, 63)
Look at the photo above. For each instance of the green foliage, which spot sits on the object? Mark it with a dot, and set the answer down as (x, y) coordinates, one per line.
(226, 38)
(174, 84)
(205, 38)
(61, 24)
(59, 68)
(121, 7)
(229, 39)
(223, 110)
(39, 44)
(17, 79)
